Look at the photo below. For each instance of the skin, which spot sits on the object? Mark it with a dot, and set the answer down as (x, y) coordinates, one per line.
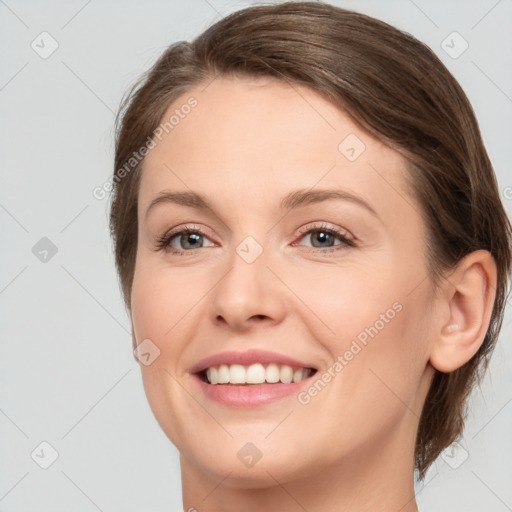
(247, 144)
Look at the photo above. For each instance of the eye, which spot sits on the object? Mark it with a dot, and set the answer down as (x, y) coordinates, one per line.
(186, 239)
(325, 237)
(191, 238)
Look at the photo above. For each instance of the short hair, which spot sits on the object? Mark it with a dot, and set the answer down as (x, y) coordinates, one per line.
(396, 89)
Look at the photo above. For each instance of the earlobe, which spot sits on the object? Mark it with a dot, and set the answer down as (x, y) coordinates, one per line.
(470, 292)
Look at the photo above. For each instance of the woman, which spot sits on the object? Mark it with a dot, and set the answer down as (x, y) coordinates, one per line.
(314, 254)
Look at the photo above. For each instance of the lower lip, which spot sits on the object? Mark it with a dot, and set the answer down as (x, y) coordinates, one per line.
(249, 395)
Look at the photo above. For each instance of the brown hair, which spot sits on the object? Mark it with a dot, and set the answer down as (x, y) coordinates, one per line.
(396, 88)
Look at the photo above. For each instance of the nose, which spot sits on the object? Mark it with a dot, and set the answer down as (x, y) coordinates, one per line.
(248, 294)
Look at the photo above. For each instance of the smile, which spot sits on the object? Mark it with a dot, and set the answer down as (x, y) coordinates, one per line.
(250, 379)
(255, 374)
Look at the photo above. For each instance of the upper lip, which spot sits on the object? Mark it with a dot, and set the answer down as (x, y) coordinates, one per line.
(247, 358)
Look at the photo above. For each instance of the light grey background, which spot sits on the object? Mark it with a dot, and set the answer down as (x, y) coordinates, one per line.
(67, 375)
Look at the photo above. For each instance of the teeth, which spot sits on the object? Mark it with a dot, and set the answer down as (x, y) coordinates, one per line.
(223, 374)
(297, 375)
(236, 374)
(286, 374)
(272, 373)
(212, 376)
(255, 374)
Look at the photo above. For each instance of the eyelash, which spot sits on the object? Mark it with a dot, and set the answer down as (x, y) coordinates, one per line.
(163, 242)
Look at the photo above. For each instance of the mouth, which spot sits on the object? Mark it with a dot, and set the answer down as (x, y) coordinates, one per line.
(257, 373)
(250, 379)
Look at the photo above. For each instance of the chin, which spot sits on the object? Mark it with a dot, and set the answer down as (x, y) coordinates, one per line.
(247, 467)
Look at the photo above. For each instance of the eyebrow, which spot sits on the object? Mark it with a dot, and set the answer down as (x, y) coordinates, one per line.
(293, 200)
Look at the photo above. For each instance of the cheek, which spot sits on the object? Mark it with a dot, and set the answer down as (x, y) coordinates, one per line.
(380, 342)
(388, 358)
(163, 312)
(163, 301)
(341, 302)
(350, 304)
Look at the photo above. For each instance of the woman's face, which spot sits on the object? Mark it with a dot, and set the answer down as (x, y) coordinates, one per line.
(278, 263)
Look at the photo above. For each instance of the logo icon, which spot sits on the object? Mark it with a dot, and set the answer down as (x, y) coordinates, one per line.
(454, 45)
(44, 455)
(146, 352)
(249, 455)
(454, 455)
(44, 250)
(44, 45)
(249, 249)
(351, 147)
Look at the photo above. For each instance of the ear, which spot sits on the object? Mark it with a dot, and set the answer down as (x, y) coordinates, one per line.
(469, 295)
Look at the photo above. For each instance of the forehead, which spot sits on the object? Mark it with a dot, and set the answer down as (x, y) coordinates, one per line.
(255, 139)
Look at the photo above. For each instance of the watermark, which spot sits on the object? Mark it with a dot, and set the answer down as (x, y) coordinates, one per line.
(44, 455)
(146, 352)
(507, 193)
(351, 147)
(100, 192)
(44, 250)
(454, 455)
(44, 45)
(249, 249)
(249, 455)
(304, 397)
(454, 45)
